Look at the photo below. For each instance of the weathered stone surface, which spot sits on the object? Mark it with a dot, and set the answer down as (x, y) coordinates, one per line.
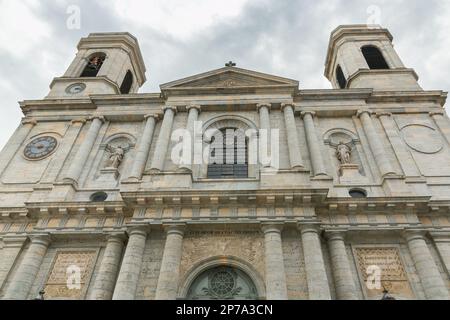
(397, 139)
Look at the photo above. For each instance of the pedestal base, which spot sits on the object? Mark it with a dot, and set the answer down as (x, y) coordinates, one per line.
(109, 173)
(349, 174)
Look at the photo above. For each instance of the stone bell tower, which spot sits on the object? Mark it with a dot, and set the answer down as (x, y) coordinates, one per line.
(361, 56)
(106, 63)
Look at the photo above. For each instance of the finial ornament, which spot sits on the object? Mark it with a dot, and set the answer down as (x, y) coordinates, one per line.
(230, 64)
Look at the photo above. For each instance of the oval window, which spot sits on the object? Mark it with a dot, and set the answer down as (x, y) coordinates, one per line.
(99, 197)
(358, 193)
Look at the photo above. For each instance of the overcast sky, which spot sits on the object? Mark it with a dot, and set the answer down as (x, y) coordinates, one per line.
(180, 38)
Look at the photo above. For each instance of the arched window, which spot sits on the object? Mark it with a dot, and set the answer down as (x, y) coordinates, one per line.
(228, 156)
(127, 83)
(374, 58)
(94, 64)
(223, 283)
(341, 78)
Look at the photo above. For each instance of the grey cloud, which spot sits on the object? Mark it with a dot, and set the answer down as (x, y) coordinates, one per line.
(287, 38)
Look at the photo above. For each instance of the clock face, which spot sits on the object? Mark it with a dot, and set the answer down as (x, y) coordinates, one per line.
(76, 88)
(40, 148)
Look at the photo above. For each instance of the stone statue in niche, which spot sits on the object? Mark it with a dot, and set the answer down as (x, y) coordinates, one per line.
(344, 153)
(116, 155)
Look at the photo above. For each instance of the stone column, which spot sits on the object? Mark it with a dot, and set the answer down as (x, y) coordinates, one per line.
(295, 155)
(103, 288)
(342, 273)
(376, 146)
(442, 122)
(9, 254)
(170, 266)
(163, 140)
(78, 162)
(130, 270)
(404, 156)
(26, 273)
(144, 147)
(442, 242)
(264, 115)
(313, 144)
(57, 162)
(264, 123)
(16, 142)
(429, 274)
(316, 275)
(194, 111)
(276, 288)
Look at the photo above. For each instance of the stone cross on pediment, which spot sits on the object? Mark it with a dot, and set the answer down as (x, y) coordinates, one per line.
(230, 64)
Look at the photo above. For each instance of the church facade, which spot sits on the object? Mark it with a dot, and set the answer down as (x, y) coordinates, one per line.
(350, 199)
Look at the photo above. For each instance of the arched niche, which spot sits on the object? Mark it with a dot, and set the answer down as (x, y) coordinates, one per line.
(105, 170)
(334, 137)
(203, 273)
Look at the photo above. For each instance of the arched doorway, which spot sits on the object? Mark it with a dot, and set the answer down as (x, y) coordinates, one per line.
(222, 283)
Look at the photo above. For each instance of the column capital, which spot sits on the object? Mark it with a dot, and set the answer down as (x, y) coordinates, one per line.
(437, 113)
(410, 235)
(174, 109)
(383, 114)
(26, 121)
(272, 227)
(333, 235)
(362, 112)
(440, 236)
(194, 106)
(119, 237)
(138, 230)
(101, 118)
(14, 242)
(79, 120)
(263, 105)
(309, 228)
(42, 239)
(304, 113)
(178, 229)
(155, 116)
(285, 105)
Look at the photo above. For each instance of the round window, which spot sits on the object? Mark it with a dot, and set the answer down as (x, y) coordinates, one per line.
(358, 193)
(99, 197)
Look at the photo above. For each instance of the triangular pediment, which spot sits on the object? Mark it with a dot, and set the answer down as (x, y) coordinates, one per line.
(230, 78)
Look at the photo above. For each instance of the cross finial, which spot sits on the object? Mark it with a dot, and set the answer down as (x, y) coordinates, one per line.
(230, 64)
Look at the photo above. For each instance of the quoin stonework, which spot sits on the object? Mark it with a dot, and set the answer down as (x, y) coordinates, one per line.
(356, 204)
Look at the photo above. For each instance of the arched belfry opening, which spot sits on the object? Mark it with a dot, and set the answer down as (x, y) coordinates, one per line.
(127, 83)
(94, 65)
(374, 58)
(223, 283)
(340, 77)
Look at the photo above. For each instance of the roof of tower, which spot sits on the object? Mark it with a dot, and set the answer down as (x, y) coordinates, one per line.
(118, 39)
(352, 30)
